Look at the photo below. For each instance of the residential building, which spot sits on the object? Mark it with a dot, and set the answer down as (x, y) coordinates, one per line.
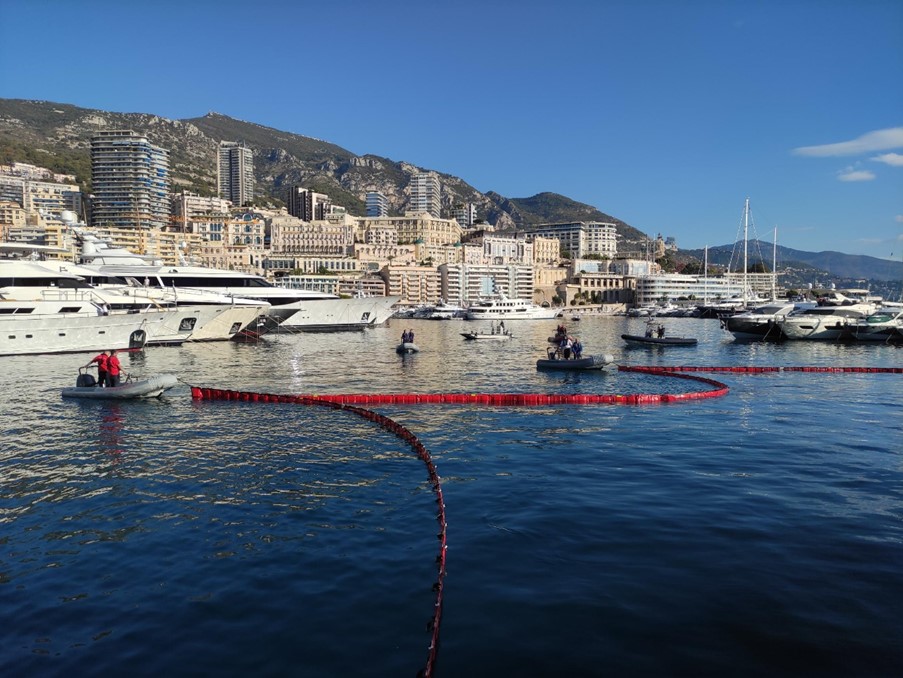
(377, 204)
(12, 215)
(130, 178)
(42, 201)
(414, 284)
(425, 194)
(185, 206)
(235, 176)
(465, 214)
(306, 204)
(464, 284)
(581, 238)
(652, 289)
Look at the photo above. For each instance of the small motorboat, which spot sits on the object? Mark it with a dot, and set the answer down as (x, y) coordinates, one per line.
(658, 341)
(151, 387)
(496, 332)
(589, 362)
(407, 347)
(478, 335)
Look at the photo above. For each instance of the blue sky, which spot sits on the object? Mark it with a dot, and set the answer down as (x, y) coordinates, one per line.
(667, 115)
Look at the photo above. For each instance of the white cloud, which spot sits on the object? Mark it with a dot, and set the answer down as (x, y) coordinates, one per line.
(899, 220)
(879, 140)
(892, 159)
(850, 174)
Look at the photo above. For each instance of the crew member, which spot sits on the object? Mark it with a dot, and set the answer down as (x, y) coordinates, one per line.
(113, 369)
(101, 360)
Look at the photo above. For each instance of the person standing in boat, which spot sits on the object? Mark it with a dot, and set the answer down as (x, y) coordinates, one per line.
(101, 360)
(578, 349)
(661, 331)
(113, 369)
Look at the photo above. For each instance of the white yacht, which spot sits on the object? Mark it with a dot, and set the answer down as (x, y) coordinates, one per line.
(831, 318)
(502, 308)
(295, 309)
(762, 322)
(201, 316)
(46, 312)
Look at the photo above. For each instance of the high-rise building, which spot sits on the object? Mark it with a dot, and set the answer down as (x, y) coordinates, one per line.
(377, 204)
(425, 195)
(307, 205)
(465, 214)
(235, 178)
(130, 178)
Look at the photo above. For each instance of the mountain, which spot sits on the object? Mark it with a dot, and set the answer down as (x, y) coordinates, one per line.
(845, 269)
(58, 136)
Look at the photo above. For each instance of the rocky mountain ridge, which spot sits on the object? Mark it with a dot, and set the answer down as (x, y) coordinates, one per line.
(57, 136)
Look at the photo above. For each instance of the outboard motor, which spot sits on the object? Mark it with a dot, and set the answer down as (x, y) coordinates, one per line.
(86, 380)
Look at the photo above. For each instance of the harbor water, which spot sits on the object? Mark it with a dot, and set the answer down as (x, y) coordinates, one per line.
(759, 533)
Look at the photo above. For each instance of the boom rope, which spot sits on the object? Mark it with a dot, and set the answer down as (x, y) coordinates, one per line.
(420, 450)
(350, 402)
(669, 370)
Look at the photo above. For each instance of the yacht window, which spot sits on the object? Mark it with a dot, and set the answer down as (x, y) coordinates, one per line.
(70, 309)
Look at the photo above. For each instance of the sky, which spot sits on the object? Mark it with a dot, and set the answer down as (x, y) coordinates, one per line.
(666, 115)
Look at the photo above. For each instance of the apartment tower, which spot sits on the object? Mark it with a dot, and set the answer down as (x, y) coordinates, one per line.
(377, 204)
(130, 178)
(425, 193)
(235, 178)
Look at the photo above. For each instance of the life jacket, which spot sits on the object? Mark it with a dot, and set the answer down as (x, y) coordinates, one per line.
(102, 361)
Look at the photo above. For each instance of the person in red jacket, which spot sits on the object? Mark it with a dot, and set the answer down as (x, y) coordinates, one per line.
(113, 369)
(101, 360)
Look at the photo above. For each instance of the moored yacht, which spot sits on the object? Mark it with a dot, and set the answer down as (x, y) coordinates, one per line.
(502, 308)
(202, 315)
(763, 322)
(831, 318)
(296, 309)
(884, 325)
(46, 312)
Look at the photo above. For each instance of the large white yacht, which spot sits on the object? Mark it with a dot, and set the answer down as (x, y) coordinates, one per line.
(46, 312)
(295, 309)
(202, 316)
(502, 308)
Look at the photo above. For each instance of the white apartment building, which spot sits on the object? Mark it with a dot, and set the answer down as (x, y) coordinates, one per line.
(507, 249)
(464, 284)
(652, 289)
(425, 194)
(465, 215)
(581, 238)
(416, 228)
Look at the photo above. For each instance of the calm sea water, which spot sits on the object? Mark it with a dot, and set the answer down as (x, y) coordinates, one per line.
(756, 534)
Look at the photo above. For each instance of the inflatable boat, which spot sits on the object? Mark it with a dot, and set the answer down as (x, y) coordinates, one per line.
(152, 387)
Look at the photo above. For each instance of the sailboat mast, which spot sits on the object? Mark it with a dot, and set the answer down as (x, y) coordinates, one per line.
(774, 265)
(705, 279)
(745, 245)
